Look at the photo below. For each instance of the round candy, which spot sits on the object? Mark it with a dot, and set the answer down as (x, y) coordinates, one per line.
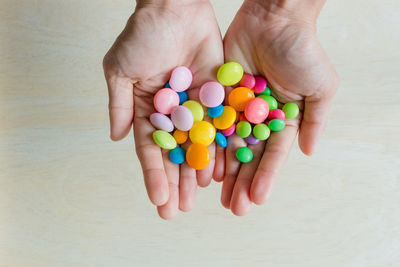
(161, 122)
(202, 132)
(251, 140)
(244, 154)
(164, 139)
(230, 73)
(261, 131)
(221, 139)
(272, 103)
(180, 136)
(196, 109)
(276, 114)
(183, 97)
(167, 85)
(181, 79)
(211, 94)
(267, 91)
(276, 125)
(248, 81)
(182, 118)
(229, 131)
(291, 110)
(243, 129)
(239, 97)
(177, 155)
(215, 111)
(256, 110)
(165, 100)
(226, 119)
(198, 156)
(260, 85)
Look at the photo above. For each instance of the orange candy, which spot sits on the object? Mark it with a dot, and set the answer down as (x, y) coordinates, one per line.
(180, 136)
(198, 156)
(239, 97)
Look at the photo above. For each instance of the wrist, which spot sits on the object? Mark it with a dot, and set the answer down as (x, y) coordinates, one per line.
(168, 3)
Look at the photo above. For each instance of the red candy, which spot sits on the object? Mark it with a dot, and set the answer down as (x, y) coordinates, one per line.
(256, 110)
(248, 81)
(276, 114)
(260, 84)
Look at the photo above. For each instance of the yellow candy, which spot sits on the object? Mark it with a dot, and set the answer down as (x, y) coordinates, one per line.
(230, 73)
(239, 97)
(196, 109)
(202, 132)
(226, 119)
(180, 136)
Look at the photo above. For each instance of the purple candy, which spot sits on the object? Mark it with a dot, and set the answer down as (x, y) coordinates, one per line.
(161, 122)
(251, 140)
(182, 118)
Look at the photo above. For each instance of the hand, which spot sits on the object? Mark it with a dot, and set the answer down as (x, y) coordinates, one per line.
(272, 40)
(159, 36)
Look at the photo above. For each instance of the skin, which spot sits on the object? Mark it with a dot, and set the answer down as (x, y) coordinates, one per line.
(159, 36)
(278, 40)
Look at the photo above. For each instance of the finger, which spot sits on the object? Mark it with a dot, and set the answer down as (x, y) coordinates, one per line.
(170, 209)
(204, 176)
(313, 123)
(219, 168)
(231, 169)
(120, 94)
(151, 160)
(187, 186)
(276, 152)
(241, 202)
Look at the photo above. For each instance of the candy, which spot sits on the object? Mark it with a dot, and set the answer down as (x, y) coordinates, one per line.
(167, 85)
(251, 140)
(211, 94)
(229, 131)
(182, 118)
(272, 103)
(261, 131)
(244, 154)
(180, 136)
(291, 110)
(248, 81)
(164, 139)
(202, 132)
(183, 97)
(260, 84)
(276, 114)
(198, 156)
(243, 129)
(242, 117)
(196, 109)
(177, 155)
(226, 119)
(256, 110)
(276, 125)
(216, 111)
(181, 79)
(267, 91)
(239, 97)
(165, 100)
(230, 73)
(220, 139)
(161, 122)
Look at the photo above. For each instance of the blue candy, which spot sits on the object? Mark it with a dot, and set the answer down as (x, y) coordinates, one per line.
(183, 97)
(215, 112)
(167, 85)
(220, 139)
(178, 155)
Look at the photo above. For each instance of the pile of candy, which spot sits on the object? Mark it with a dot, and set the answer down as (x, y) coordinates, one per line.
(252, 113)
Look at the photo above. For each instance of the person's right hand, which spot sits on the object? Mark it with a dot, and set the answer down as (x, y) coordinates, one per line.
(159, 36)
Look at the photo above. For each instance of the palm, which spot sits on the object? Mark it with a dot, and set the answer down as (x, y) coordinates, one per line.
(298, 70)
(141, 60)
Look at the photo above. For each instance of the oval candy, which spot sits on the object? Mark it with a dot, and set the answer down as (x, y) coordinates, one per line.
(243, 129)
(161, 122)
(256, 110)
(248, 81)
(260, 84)
(239, 97)
(226, 119)
(165, 100)
(211, 94)
(229, 131)
(215, 111)
(230, 73)
(276, 114)
(221, 139)
(261, 131)
(180, 136)
(272, 103)
(202, 132)
(182, 118)
(276, 125)
(291, 110)
(177, 155)
(164, 139)
(183, 97)
(251, 140)
(198, 156)
(244, 154)
(196, 109)
(181, 79)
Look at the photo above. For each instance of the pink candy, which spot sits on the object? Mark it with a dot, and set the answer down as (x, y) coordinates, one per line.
(276, 114)
(229, 131)
(260, 84)
(248, 81)
(211, 94)
(161, 122)
(182, 118)
(256, 110)
(181, 79)
(166, 100)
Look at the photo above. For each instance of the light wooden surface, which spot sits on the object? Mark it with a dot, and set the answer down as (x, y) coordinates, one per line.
(71, 197)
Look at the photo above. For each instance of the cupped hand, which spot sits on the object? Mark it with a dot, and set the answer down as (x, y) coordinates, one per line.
(284, 48)
(159, 36)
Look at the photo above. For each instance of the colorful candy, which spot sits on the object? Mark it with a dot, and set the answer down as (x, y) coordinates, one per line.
(230, 73)
(202, 132)
(177, 155)
(196, 109)
(183, 97)
(161, 122)
(276, 125)
(243, 129)
(272, 103)
(164, 139)
(244, 154)
(291, 110)
(276, 114)
(215, 111)
(251, 140)
(248, 81)
(166, 100)
(226, 119)
(229, 131)
(221, 139)
(261, 131)
(198, 156)
(256, 110)
(260, 84)
(267, 91)
(180, 136)
(211, 94)
(239, 97)
(182, 118)
(181, 79)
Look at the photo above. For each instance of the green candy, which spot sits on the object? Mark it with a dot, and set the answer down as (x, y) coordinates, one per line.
(276, 125)
(244, 154)
(291, 110)
(261, 131)
(272, 103)
(164, 139)
(243, 129)
(267, 91)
